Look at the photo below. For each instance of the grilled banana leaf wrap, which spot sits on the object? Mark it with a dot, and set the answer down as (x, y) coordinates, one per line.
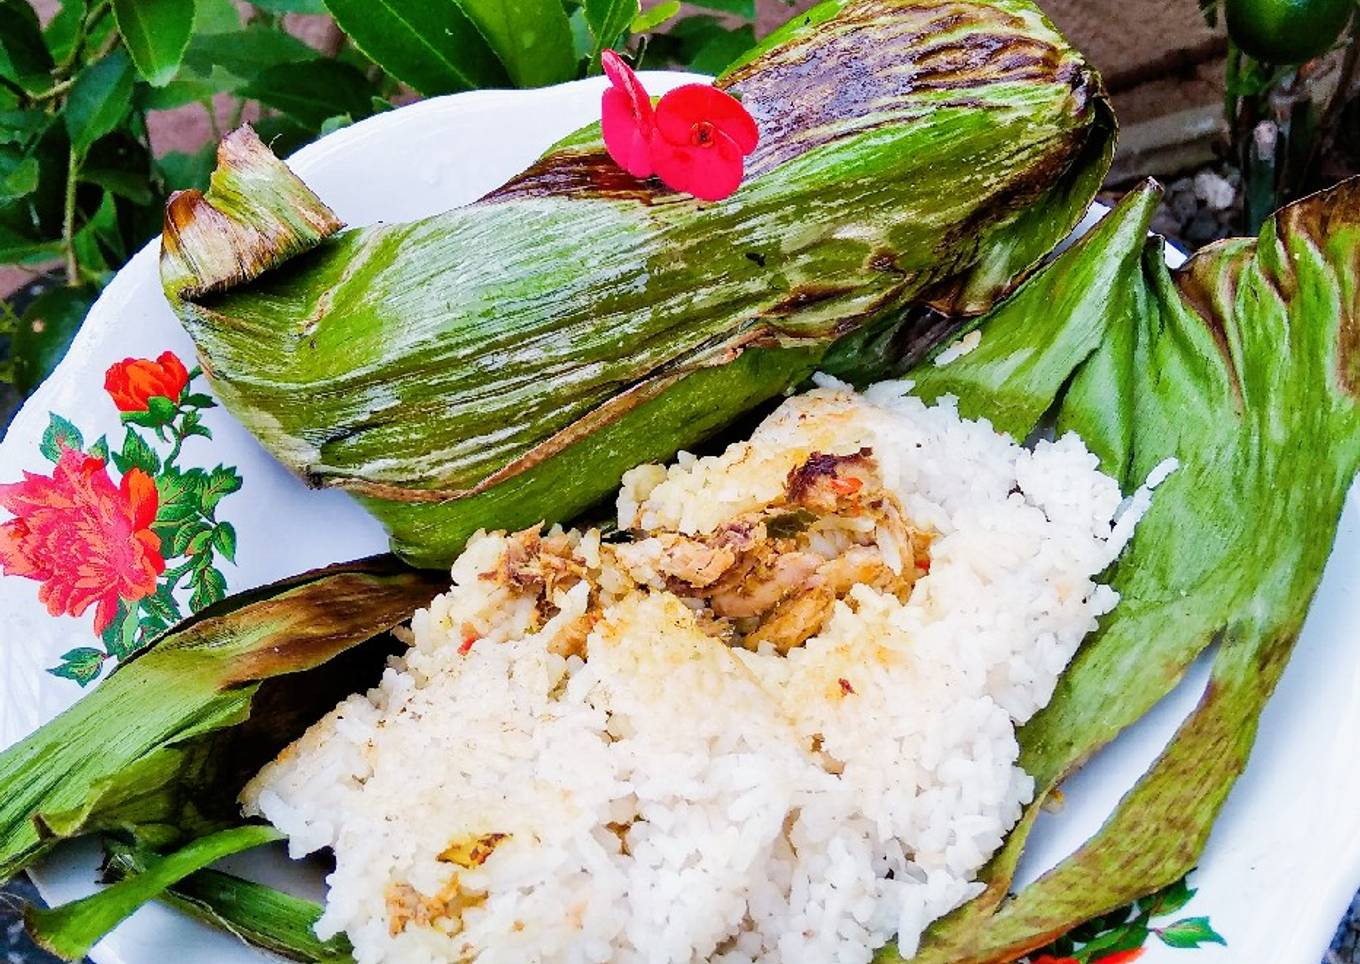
(506, 361)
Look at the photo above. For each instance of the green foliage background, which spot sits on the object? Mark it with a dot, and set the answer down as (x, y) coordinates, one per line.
(80, 184)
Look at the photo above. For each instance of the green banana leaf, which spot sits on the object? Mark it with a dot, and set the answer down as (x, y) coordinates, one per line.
(161, 747)
(1243, 367)
(69, 931)
(505, 362)
(276, 921)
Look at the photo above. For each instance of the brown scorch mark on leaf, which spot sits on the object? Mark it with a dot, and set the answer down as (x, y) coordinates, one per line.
(204, 250)
(1201, 291)
(804, 296)
(314, 621)
(581, 174)
(800, 102)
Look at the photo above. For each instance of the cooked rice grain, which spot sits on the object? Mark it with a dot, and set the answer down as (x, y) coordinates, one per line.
(673, 796)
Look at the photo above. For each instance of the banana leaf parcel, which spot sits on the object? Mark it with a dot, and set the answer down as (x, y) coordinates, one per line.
(507, 361)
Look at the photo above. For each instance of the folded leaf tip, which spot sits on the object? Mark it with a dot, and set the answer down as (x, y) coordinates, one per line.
(255, 214)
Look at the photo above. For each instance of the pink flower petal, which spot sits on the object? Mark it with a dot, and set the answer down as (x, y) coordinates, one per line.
(625, 137)
(680, 109)
(710, 172)
(623, 79)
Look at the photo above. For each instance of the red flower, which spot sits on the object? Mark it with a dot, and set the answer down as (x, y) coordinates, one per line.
(626, 117)
(87, 541)
(133, 382)
(695, 139)
(1050, 959)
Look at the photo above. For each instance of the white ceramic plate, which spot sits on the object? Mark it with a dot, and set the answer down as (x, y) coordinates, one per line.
(1283, 861)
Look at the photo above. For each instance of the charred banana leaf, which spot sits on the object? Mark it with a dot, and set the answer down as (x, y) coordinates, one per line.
(162, 746)
(505, 362)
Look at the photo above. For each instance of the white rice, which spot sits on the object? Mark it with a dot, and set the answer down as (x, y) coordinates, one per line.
(674, 798)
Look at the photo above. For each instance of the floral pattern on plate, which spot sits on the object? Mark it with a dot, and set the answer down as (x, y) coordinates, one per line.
(1121, 935)
(131, 549)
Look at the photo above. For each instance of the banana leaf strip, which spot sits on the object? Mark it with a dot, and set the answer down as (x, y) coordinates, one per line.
(162, 746)
(69, 931)
(1033, 343)
(1243, 367)
(256, 913)
(505, 362)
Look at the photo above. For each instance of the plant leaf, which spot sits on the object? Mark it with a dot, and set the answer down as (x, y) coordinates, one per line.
(156, 33)
(651, 19)
(99, 99)
(210, 587)
(267, 918)
(99, 243)
(24, 58)
(183, 171)
(21, 126)
(187, 89)
(311, 91)
(722, 49)
(1190, 932)
(334, 123)
(276, 217)
(532, 38)
(746, 9)
(429, 44)
(137, 454)
(291, 6)
(128, 184)
(45, 332)
(245, 53)
(1088, 292)
(60, 33)
(18, 175)
(59, 435)
(69, 931)
(216, 16)
(87, 766)
(83, 665)
(224, 538)
(608, 20)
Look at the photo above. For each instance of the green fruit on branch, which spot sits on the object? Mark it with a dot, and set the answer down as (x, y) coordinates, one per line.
(1287, 31)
